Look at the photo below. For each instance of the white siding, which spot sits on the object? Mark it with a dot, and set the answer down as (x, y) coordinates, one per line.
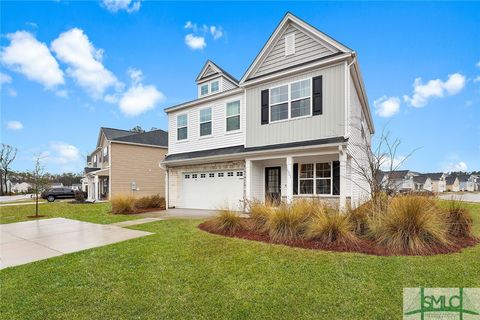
(227, 85)
(220, 137)
(210, 71)
(306, 49)
(331, 123)
(356, 147)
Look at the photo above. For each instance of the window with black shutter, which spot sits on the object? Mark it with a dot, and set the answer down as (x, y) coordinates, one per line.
(336, 177)
(317, 95)
(264, 105)
(295, 178)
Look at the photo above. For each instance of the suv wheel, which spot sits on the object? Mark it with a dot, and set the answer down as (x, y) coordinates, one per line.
(50, 198)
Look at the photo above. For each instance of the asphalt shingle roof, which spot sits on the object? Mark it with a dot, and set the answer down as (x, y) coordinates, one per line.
(154, 138)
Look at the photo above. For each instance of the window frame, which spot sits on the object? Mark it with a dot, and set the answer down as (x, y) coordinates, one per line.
(200, 122)
(315, 178)
(185, 126)
(289, 101)
(218, 86)
(205, 85)
(239, 115)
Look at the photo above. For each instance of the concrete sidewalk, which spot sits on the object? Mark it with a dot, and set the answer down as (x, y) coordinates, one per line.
(29, 241)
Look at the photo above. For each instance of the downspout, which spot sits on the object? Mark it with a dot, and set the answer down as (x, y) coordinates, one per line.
(347, 95)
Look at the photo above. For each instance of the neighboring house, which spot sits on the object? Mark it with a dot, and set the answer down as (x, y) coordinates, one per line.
(22, 187)
(400, 180)
(9, 187)
(126, 162)
(467, 182)
(56, 185)
(296, 125)
(422, 182)
(438, 181)
(453, 184)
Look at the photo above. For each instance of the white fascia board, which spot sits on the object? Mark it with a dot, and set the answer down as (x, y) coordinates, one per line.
(204, 100)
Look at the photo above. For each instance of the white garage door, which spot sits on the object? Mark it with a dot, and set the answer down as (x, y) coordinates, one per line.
(213, 190)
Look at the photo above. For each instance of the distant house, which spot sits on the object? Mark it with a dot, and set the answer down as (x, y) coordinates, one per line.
(467, 182)
(400, 180)
(438, 181)
(452, 183)
(422, 182)
(56, 185)
(21, 187)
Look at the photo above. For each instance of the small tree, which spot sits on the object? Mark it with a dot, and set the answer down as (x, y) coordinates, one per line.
(39, 180)
(7, 156)
(137, 129)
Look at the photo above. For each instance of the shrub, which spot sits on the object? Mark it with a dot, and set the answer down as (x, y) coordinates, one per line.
(79, 196)
(287, 222)
(226, 221)
(150, 202)
(122, 204)
(458, 219)
(411, 225)
(259, 214)
(331, 228)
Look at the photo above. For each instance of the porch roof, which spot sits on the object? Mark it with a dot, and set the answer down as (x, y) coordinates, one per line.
(235, 150)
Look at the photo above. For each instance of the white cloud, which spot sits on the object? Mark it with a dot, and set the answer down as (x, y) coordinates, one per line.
(28, 56)
(14, 125)
(11, 92)
(194, 42)
(478, 64)
(477, 79)
(216, 32)
(138, 98)
(395, 164)
(74, 48)
(435, 89)
(459, 166)
(119, 5)
(62, 157)
(5, 78)
(387, 106)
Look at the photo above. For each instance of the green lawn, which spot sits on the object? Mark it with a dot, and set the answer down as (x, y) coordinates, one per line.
(98, 212)
(181, 272)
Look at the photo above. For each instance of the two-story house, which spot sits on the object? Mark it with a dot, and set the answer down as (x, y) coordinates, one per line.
(126, 162)
(297, 124)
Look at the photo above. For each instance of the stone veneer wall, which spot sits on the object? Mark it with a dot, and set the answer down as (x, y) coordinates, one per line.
(175, 176)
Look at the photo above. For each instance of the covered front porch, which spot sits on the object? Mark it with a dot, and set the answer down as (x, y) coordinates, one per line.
(97, 185)
(318, 174)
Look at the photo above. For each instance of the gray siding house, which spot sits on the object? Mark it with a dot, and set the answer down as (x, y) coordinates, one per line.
(296, 125)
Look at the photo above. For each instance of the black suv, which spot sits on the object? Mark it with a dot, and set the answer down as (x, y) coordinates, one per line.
(58, 193)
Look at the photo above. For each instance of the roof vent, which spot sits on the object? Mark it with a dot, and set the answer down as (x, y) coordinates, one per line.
(290, 44)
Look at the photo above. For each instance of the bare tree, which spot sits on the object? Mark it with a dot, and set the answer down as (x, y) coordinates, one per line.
(39, 180)
(7, 156)
(379, 164)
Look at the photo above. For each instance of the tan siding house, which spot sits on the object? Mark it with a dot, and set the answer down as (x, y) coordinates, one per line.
(126, 162)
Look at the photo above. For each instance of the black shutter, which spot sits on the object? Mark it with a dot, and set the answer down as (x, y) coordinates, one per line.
(265, 106)
(295, 178)
(336, 177)
(317, 95)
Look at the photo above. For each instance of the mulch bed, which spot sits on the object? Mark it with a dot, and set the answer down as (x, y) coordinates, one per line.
(365, 246)
(39, 216)
(138, 211)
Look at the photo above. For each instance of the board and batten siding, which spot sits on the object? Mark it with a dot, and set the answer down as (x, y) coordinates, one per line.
(331, 123)
(220, 138)
(139, 164)
(306, 49)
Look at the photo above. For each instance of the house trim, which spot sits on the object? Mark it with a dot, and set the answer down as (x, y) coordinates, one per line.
(205, 99)
(139, 144)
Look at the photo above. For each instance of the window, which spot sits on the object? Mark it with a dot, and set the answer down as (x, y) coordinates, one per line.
(323, 178)
(203, 175)
(204, 89)
(187, 176)
(105, 154)
(279, 103)
(211, 175)
(95, 160)
(290, 101)
(300, 98)
(315, 178)
(194, 176)
(206, 122)
(214, 86)
(220, 174)
(239, 174)
(233, 115)
(230, 174)
(182, 127)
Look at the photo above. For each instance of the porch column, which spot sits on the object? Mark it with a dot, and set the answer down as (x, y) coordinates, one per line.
(248, 182)
(97, 189)
(342, 157)
(289, 179)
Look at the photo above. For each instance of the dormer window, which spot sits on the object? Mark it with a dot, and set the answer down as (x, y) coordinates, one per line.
(214, 87)
(204, 89)
(290, 44)
(182, 127)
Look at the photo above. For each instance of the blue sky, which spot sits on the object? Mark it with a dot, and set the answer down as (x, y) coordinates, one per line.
(68, 68)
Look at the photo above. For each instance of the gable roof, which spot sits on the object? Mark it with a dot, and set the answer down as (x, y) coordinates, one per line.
(462, 177)
(211, 69)
(290, 19)
(112, 133)
(420, 178)
(396, 175)
(435, 175)
(153, 138)
(450, 180)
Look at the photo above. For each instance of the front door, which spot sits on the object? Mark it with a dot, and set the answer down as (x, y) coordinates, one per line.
(273, 185)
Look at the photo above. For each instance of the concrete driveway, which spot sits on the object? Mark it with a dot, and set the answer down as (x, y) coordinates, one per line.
(29, 241)
(461, 196)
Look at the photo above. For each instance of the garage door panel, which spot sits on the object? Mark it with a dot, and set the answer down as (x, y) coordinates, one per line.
(212, 190)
